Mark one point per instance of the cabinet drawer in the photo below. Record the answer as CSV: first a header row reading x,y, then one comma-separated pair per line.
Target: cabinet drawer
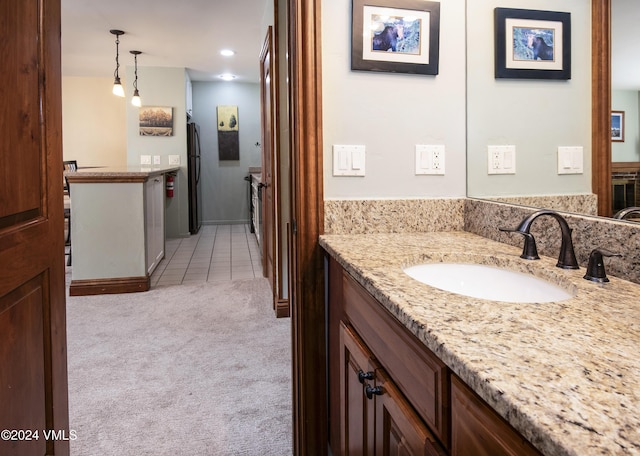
x,y
417,372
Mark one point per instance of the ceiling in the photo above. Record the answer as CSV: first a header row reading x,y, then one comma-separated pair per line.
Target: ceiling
x,y
187,34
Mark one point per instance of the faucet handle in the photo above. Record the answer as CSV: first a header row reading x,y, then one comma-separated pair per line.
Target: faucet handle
x,y
529,250
595,269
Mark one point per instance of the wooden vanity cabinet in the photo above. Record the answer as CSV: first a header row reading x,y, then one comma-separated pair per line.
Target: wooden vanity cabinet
x,y
420,407
478,430
377,419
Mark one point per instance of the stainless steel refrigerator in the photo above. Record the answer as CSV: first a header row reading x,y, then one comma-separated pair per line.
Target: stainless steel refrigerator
x,y
193,173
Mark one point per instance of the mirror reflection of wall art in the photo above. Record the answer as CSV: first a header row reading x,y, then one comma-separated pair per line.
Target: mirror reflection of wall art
x,y
400,36
532,44
617,126
228,133
156,121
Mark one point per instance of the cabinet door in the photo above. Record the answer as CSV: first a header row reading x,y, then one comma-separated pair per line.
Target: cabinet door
x,y
476,429
154,221
399,430
357,370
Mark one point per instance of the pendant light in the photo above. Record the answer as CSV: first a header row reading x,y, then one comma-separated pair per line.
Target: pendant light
x,y
136,95
117,85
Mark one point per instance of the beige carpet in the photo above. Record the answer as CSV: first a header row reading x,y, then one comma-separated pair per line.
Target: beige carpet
x,y
199,369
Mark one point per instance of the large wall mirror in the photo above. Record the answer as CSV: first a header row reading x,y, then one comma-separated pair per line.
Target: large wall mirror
x,y
539,115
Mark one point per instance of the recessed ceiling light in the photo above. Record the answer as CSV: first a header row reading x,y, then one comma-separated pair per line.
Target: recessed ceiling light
x,y
227,52
227,77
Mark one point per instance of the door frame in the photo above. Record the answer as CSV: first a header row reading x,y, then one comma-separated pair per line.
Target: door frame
x,y
306,268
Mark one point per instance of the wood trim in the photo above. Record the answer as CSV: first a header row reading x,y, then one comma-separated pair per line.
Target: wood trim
x,y
307,274
601,105
51,111
282,308
109,286
622,167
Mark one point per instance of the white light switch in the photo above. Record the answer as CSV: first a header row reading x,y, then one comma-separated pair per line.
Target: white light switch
x,y
501,159
145,159
348,160
156,159
429,159
570,160
174,159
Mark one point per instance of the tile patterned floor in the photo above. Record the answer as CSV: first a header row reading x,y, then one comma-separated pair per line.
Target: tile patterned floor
x,y
217,253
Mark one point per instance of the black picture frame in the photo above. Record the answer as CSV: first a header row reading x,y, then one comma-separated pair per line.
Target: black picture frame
x,y
367,44
537,58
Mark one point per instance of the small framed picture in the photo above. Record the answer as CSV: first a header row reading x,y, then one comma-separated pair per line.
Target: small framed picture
x,y
156,121
532,44
617,126
398,36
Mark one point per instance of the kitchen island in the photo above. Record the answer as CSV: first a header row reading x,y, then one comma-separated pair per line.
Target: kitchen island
x,y
117,227
564,375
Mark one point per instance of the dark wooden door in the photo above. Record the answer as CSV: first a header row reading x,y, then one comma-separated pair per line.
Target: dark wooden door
x,y
33,369
268,207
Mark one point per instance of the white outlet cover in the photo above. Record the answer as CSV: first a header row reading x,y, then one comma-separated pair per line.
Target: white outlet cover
x,y
430,159
174,159
145,159
501,159
156,159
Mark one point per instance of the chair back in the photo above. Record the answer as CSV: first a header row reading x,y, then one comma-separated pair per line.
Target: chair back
x,y
68,165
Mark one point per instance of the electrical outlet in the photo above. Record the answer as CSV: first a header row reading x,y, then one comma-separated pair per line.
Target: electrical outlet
x,y
501,160
145,159
174,159
429,159
156,159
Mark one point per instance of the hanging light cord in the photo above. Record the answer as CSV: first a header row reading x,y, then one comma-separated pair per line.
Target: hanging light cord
x,y
115,73
135,81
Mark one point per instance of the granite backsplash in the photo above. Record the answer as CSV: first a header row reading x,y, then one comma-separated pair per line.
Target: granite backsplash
x,y
484,218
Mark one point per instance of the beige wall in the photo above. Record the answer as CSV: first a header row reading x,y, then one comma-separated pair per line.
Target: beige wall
x,y
93,122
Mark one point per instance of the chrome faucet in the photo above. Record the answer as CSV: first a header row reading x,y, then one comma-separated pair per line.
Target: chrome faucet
x,y
621,215
567,257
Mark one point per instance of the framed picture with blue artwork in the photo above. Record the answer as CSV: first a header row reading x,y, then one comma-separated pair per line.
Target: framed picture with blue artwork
x,y
532,44
398,36
617,126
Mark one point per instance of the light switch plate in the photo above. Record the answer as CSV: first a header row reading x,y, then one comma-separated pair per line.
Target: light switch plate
x,y
174,159
145,159
501,159
348,160
156,159
429,159
570,160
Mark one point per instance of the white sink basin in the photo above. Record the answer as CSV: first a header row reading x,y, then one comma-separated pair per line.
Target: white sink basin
x,y
487,282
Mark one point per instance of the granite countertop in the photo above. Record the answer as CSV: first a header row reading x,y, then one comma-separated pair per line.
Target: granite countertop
x,y
118,173
565,374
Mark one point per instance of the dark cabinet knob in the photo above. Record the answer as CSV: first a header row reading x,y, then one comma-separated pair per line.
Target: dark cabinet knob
x,y
371,391
362,376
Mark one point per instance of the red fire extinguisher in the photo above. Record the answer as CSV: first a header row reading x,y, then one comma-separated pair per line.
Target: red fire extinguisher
x,y
169,185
